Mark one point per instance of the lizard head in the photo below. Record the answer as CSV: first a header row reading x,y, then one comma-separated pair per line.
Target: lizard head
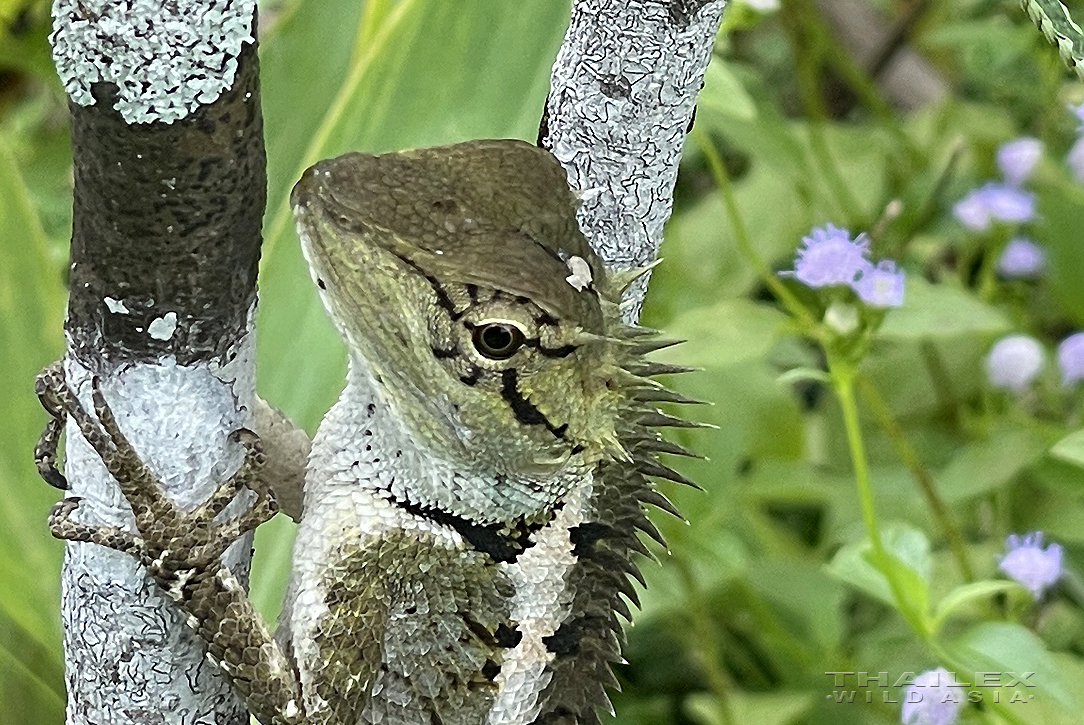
x,y
460,279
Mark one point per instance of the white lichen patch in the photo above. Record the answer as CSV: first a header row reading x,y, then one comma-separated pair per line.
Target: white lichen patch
x,y
162,328
167,59
581,273
116,306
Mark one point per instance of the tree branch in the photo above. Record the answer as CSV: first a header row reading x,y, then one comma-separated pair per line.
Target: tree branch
x,y
169,196
622,95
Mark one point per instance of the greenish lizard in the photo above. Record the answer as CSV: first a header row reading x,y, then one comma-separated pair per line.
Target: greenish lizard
x,y
472,502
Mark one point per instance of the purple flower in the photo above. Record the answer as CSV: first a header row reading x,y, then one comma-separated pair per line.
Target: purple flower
x,y
1071,358
880,286
1075,159
1029,563
994,202
830,257
1021,259
1014,362
934,698
1018,157
971,211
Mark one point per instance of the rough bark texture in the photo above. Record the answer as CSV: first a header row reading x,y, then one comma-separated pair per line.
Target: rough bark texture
x,y
169,197
622,95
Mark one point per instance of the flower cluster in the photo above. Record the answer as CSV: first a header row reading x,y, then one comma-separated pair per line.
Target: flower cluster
x,y
1021,259
1015,361
830,257
1027,562
934,698
1007,201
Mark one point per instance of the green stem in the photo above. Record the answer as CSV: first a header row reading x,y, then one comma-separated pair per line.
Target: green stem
x,y
741,234
843,378
922,475
857,77
705,644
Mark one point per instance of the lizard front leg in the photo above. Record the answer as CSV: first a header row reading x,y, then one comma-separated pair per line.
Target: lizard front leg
x,y
181,549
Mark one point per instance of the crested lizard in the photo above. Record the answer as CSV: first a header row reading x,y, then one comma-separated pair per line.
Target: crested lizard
x,y
473,502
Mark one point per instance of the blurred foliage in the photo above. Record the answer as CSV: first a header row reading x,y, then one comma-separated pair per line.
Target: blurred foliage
x,y
769,585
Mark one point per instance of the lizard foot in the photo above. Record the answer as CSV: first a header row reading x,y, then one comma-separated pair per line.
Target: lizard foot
x,y
173,543
45,450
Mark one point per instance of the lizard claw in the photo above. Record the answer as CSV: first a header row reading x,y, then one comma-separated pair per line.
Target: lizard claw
x,y
46,385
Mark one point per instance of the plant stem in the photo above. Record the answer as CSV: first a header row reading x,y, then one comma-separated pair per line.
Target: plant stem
x,y
843,378
910,458
705,644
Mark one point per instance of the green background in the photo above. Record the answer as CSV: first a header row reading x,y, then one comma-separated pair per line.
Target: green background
x,y
764,588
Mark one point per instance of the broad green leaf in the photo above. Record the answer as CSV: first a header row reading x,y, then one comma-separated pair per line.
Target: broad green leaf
x,y
1061,217
909,562
940,311
1007,647
1070,448
1053,19
730,331
762,708
724,94
31,300
990,463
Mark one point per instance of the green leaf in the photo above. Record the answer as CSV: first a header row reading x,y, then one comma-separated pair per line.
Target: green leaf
x,y
1070,448
909,562
965,594
988,464
933,311
726,333
724,94
1053,19
762,708
31,304
1060,219
1007,647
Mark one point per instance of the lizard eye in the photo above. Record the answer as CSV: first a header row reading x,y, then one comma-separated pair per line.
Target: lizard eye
x,y
498,340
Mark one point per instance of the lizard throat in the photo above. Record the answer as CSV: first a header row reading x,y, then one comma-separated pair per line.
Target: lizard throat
x,y
364,443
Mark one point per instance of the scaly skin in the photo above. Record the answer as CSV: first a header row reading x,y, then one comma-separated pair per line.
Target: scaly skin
x,y
472,501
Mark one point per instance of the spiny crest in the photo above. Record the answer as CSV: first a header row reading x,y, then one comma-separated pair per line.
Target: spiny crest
x,y
602,580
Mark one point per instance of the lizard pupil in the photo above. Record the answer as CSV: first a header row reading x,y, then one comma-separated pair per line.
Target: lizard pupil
x,y
497,340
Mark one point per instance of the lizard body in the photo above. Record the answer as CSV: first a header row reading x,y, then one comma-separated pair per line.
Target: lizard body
x,y
472,501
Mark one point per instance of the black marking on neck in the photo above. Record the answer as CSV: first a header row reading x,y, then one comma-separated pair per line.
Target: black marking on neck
x,y
524,410
583,537
472,292
499,541
506,636
444,353
566,640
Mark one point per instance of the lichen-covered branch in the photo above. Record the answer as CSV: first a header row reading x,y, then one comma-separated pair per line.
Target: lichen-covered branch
x,y
621,101
169,196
